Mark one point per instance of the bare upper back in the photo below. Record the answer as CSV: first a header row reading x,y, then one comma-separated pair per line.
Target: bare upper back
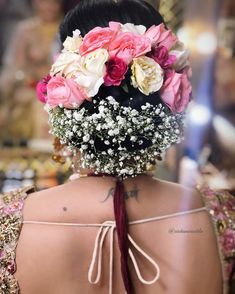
x,y
56,259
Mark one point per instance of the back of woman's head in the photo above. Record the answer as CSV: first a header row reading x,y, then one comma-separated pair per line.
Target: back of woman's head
x,y
118,90
92,13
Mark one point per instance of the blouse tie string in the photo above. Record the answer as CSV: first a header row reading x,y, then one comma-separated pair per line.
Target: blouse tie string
x,y
105,228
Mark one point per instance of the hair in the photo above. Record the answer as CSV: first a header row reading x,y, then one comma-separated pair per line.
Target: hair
x,y
69,4
92,13
85,16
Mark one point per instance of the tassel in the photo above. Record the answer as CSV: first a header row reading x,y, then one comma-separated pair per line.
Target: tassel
x,y
122,233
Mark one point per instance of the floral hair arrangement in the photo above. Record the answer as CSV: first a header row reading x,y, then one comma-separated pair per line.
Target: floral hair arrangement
x,y
118,139
128,139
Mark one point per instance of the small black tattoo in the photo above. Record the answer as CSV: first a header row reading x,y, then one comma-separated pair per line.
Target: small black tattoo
x,y
129,194
65,208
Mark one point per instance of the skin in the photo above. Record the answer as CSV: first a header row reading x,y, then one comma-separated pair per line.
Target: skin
x,y
55,260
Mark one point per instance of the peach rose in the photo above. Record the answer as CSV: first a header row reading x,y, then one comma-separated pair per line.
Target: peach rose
x,y
127,46
66,92
96,39
147,75
159,36
176,91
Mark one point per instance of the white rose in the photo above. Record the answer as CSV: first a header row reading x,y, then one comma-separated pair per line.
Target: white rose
x,y
94,62
66,64
147,75
182,56
136,29
91,71
72,44
77,33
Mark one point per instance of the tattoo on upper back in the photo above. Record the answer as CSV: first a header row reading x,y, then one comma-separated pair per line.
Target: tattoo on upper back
x,y
134,193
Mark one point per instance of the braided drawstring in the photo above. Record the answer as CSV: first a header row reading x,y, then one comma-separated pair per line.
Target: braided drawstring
x,y
122,233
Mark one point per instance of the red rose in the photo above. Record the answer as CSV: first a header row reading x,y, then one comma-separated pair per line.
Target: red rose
x,y
116,70
162,57
41,89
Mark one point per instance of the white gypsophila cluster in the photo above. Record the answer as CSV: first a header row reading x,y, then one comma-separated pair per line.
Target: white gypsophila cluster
x,y
115,139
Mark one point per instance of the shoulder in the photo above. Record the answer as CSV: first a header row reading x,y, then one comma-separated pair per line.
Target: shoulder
x,y
48,204
187,198
70,201
220,207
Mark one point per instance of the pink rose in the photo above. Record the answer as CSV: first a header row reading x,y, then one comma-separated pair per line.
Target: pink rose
x,y
41,89
116,70
176,91
64,91
115,26
161,37
188,71
127,46
162,57
96,39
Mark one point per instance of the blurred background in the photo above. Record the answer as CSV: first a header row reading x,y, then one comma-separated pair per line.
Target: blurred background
x,y
28,44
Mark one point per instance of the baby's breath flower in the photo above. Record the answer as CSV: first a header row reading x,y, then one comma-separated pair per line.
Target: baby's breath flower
x,y
114,124
86,138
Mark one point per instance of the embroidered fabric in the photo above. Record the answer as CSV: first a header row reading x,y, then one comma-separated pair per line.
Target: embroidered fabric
x,y
11,218
219,205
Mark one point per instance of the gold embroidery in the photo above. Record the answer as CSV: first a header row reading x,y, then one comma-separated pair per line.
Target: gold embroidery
x,y
10,226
